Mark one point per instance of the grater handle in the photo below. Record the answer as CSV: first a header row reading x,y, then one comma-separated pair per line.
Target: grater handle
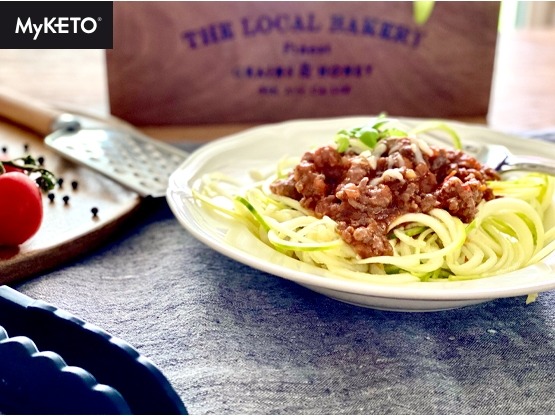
x,y
32,113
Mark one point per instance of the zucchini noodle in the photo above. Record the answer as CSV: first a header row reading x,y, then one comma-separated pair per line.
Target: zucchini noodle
x,y
508,233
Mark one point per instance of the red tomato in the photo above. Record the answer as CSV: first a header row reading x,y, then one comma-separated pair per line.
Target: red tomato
x,y
20,208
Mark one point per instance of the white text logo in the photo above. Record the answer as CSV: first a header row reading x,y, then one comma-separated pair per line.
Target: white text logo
x,y
57,25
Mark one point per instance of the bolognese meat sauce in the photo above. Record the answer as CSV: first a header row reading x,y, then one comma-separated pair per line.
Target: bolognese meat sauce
x,y
365,192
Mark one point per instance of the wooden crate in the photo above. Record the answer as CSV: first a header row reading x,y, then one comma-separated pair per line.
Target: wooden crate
x,y
220,62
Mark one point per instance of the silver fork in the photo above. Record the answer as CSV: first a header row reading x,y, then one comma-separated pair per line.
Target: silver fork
x,y
502,160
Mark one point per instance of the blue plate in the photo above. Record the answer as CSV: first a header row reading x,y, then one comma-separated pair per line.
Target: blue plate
x,y
34,382
81,369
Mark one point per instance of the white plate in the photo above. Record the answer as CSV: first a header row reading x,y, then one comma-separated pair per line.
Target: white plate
x,y
262,147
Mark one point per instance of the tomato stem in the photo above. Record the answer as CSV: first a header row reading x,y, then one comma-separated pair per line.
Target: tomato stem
x,y
46,180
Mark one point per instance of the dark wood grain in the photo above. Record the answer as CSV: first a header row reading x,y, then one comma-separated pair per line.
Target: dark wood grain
x,y
176,63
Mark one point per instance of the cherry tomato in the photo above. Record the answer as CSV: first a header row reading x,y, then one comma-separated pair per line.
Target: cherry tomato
x,y
20,208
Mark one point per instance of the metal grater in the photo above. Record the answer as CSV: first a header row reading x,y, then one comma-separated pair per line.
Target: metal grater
x,y
108,146
135,161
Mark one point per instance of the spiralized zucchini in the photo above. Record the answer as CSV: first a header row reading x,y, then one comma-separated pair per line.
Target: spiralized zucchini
x,y
507,234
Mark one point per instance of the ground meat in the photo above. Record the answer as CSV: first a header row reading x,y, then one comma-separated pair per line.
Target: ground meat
x,y
365,193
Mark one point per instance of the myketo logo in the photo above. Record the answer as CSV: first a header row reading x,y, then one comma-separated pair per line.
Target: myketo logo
x,y
56,25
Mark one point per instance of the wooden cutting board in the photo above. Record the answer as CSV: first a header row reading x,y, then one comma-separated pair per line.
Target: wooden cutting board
x,y
68,229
